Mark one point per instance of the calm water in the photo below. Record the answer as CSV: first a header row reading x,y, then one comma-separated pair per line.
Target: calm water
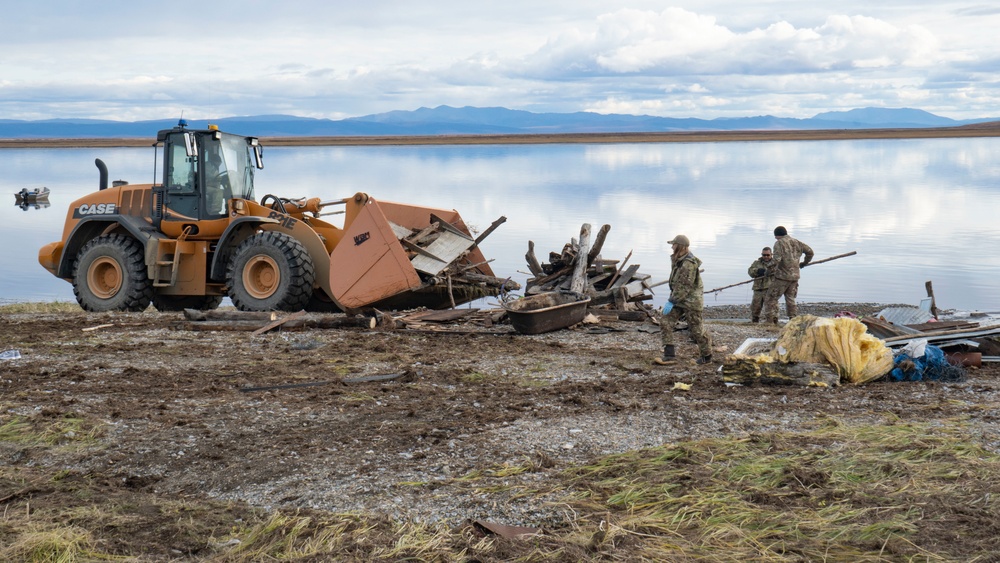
x,y
914,210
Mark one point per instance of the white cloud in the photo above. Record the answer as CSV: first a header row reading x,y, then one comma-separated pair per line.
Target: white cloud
x,y
706,58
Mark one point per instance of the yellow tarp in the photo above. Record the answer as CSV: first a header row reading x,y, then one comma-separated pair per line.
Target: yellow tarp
x,y
842,342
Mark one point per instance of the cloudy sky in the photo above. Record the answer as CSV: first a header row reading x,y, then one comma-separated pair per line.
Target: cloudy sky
x,y
132,60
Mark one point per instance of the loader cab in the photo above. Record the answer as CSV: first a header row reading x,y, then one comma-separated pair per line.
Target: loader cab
x,y
202,171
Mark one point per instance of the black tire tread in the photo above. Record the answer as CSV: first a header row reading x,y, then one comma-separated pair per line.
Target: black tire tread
x,y
137,291
298,273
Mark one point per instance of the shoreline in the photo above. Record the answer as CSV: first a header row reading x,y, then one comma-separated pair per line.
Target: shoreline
x,y
991,129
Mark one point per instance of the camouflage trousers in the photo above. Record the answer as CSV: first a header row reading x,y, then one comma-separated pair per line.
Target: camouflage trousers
x,y
757,304
780,288
695,325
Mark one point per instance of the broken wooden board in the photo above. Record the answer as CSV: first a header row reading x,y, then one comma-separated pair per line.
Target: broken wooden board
x,y
442,316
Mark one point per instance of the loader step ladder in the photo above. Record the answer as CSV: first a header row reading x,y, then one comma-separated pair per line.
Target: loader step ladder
x,y
165,267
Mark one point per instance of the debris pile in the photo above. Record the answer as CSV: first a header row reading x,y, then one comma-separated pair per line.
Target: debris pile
x,y
579,268
808,348
440,253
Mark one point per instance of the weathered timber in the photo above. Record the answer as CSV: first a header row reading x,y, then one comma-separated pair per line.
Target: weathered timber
x,y
532,260
579,279
930,293
417,238
746,371
595,249
279,322
943,325
618,314
626,277
489,230
490,281
215,315
618,272
312,321
442,316
546,279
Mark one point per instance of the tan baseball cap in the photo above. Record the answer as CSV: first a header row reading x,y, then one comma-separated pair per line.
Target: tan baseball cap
x,y
681,240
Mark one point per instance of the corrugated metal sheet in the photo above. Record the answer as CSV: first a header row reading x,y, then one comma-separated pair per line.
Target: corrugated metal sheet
x,y
904,315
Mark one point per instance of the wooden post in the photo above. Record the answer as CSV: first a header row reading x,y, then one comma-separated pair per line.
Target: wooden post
x,y
580,263
598,243
930,293
533,265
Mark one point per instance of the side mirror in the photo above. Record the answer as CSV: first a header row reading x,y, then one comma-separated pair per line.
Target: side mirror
x,y
189,145
258,156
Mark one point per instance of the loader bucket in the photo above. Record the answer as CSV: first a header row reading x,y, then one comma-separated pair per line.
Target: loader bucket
x,y
399,256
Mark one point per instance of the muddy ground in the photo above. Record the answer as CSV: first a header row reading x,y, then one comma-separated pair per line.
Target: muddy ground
x,y
345,420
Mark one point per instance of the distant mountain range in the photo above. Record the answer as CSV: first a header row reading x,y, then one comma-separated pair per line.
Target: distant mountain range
x,y
446,120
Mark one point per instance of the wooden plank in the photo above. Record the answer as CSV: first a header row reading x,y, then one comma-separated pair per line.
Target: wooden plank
x,y
276,323
943,325
618,272
427,231
443,316
626,277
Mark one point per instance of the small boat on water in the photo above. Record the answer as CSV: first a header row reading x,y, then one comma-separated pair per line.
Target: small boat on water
x,y
546,312
38,197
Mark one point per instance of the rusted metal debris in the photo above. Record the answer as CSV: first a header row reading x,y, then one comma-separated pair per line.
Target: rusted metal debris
x,y
964,343
579,268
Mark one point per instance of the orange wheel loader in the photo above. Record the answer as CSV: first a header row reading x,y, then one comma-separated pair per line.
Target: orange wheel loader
x,y
200,235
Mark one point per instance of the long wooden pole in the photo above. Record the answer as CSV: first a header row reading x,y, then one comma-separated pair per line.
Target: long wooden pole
x,y
813,263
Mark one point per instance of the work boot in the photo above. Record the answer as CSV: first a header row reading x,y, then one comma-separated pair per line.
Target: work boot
x,y
667,357
704,360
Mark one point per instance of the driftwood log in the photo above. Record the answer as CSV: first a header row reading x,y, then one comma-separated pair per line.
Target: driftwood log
x,y
263,321
578,281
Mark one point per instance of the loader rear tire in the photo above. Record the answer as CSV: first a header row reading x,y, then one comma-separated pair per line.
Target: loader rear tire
x,y
169,303
270,271
110,275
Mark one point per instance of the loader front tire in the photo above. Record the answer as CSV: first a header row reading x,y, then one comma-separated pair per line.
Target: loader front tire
x,y
110,275
270,271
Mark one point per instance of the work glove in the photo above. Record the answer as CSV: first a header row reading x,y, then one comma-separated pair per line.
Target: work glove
x,y
760,272
803,264
667,307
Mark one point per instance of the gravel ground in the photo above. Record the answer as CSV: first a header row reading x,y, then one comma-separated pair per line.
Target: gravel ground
x,y
181,418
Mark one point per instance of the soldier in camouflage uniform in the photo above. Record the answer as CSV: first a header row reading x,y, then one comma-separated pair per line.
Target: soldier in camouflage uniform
x,y
686,297
786,274
761,272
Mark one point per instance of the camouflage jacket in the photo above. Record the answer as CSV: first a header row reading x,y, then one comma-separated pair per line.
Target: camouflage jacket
x,y
786,257
760,283
686,290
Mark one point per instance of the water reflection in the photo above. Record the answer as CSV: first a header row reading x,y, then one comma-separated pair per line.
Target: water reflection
x,y
915,210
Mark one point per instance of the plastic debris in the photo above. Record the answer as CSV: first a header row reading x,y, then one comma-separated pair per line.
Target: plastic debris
x,y
919,361
10,355
843,342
